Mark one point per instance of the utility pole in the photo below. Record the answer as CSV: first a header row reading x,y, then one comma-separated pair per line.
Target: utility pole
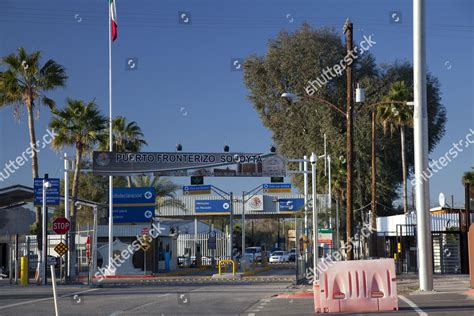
x,y
66,214
242,255
313,160
420,135
231,226
373,219
349,138
305,192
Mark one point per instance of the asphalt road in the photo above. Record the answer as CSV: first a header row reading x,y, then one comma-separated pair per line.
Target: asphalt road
x,y
208,299
250,298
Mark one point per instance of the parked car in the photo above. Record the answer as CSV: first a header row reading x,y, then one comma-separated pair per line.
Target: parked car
x,y
279,257
292,255
276,249
253,253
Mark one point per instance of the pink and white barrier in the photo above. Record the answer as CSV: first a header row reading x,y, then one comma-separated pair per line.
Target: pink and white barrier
x,y
356,286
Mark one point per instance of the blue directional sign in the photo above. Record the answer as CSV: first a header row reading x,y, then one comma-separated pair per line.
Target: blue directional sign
x,y
196,189
134,195
290,205
133,214
52,193
277,188
212,206
133,205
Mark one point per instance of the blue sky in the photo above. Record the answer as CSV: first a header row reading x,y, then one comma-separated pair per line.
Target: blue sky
x,y
183,89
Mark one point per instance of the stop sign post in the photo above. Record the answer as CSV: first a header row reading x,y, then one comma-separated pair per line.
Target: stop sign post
x,y
61,225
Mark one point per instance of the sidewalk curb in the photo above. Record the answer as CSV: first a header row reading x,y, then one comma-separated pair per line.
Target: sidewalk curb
x,y
264,269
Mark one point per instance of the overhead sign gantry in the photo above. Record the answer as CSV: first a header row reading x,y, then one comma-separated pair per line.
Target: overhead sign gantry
x,y
190,164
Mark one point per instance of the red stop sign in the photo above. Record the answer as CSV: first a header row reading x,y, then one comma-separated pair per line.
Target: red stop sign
x,y
61,225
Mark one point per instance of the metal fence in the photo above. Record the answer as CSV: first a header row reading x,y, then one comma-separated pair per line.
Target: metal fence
x,y
30,248
446,253
446,242
187,245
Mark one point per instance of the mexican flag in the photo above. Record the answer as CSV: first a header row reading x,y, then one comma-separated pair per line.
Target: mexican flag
x,y
113,19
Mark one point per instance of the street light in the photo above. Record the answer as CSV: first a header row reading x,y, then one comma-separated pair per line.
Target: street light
x,y
360,98
313,159
46,186
289,96
349,141
360,94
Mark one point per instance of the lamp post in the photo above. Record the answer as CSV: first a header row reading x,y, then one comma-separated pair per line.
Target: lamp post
x,y
420,135
305,192
360,98
242,254
313,159
44,263
348,114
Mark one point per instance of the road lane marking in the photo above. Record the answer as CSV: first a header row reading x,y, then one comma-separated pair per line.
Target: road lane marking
x,y
24,303
138,307
80,292
43,299
413,305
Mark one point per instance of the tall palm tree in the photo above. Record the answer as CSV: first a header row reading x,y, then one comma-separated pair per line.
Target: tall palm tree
x,y
127,137
468,177
81,125
24,82
164,188
395,116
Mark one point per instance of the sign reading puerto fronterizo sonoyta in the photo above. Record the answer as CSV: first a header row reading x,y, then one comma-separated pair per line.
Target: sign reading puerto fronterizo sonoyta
x,y
189,164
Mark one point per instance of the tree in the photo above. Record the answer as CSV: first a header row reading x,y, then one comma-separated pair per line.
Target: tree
x,y
468,177
24,82
164,189
468,182
127,137
395,116
92,188
81,125
293,60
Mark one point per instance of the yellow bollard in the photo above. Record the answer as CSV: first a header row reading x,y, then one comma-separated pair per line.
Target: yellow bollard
x,y
24,270
225,266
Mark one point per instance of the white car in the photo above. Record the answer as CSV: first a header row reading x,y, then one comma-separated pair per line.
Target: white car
x,y
279,257
253,253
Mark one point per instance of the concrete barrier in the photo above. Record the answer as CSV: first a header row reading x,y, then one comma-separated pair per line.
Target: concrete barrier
x,y
356,286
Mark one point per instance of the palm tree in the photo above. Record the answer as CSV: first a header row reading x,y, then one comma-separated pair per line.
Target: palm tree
x,y
23,83
395,115
128,137
80,125
164,188
468,177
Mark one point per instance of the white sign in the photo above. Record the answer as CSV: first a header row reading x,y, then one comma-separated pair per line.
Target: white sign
x,y
255,203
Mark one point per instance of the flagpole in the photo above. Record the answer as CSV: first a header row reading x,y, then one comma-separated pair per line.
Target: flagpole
x,y
111,219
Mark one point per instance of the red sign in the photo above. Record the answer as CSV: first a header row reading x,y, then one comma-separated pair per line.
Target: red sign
x,y
61,225
88,246
145,231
